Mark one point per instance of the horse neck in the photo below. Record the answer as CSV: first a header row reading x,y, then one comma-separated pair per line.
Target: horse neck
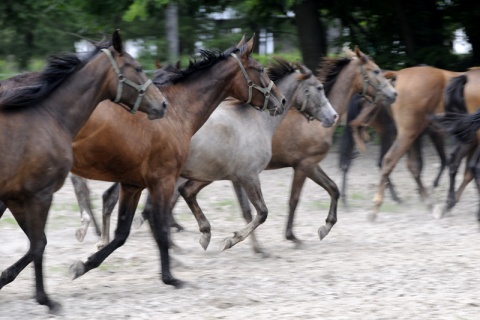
x,y
74,101
195,98
343,88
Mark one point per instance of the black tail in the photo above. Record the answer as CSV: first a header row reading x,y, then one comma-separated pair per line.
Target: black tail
x,y
461,126
347,144
454,99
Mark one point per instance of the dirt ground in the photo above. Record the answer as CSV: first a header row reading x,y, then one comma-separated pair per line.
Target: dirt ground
x,y
406,265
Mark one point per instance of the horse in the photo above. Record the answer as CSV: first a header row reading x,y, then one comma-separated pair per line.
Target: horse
x,y
151,155
462,121
301,145
380,119
39,119
235,144
420,95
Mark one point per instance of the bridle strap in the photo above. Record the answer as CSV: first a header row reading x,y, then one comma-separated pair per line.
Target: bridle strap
x,y
141,89
366,82
251,85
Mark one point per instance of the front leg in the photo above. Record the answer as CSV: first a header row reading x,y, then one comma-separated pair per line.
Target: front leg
x,y
158,219
82,192
129,197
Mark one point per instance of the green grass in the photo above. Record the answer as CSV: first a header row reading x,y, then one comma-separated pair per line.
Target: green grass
x,y
389,207
324,204
8,221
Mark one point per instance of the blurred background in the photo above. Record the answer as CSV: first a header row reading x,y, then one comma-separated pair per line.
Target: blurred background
x,y
396,33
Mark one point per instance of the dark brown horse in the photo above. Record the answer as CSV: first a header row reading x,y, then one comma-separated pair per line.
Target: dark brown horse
x,y
40,115
462,97
420,95
151,155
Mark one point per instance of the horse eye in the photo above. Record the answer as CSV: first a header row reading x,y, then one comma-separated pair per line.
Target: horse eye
x,y
320,88
377,72
138,69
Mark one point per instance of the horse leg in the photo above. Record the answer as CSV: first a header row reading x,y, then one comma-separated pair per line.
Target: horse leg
x,y
415,165
129,197
475,166
437,140
138,221
189,191
391,158
82,193
32,217
321,178
247,214
251,185
3,208
299,177
158,220
109,200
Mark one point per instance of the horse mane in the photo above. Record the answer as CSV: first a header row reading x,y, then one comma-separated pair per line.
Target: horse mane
x,y
329,69
204,60
26,89
279,68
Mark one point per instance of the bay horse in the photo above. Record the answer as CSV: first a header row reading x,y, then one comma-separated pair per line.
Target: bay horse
x,y
39,119
462,102
301,144
235,144
420,95
381,120
151,155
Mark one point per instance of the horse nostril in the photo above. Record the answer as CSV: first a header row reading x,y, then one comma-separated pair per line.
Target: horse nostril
x,y
164,104
284,101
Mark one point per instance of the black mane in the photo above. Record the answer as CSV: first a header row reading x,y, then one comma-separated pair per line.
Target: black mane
x,y
36,88
329,69
279,68
206,59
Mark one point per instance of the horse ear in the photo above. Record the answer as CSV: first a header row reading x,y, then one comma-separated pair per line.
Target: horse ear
x,y
360,54
389,74
301,68
250,45
349,53
178,65
157,64
117,41
242,42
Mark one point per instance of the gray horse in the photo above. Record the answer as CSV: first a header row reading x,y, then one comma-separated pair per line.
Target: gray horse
x,y
236,144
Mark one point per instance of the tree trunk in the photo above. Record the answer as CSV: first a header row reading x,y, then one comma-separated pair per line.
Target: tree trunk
x,y
311,33
171,24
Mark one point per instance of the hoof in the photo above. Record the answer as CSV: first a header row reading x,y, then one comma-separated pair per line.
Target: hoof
x,y
205,240
322,232
227,243
100,246
137,222
372,217
171,281
438,211
77,269
80,234
55,308
178,227
261,252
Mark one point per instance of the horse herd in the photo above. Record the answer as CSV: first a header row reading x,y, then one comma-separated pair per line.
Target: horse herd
x,y
202,124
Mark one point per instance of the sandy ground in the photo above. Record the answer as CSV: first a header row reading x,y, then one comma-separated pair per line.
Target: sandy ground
x,y
406,265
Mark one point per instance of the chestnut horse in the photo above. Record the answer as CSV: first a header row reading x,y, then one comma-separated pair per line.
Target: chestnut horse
x,y
39,119
235,144
462,97
420,95
151,155
380,119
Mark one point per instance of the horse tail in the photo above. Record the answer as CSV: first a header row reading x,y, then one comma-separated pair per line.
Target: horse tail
x,y
461,126
454,98
347,144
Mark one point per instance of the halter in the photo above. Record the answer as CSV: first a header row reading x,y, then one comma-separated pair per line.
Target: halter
x,y
303,108
141,89
265,91
366,82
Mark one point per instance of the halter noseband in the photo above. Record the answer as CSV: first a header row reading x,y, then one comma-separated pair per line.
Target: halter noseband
x,y
303,108
366,82
141,89
265,91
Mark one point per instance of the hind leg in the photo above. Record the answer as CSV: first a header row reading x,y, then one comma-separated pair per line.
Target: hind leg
x,y
415,165
247,213
437,139
31,217
3,208
299,177
189,191
109,199
82,193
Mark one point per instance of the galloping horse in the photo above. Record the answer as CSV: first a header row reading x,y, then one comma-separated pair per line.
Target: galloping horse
x,y
420,94
380,119
151,155
39,121
235,144
462,96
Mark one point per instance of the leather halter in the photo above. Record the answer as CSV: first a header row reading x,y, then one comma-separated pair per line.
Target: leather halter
x,y
265,91
367,82
141,89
